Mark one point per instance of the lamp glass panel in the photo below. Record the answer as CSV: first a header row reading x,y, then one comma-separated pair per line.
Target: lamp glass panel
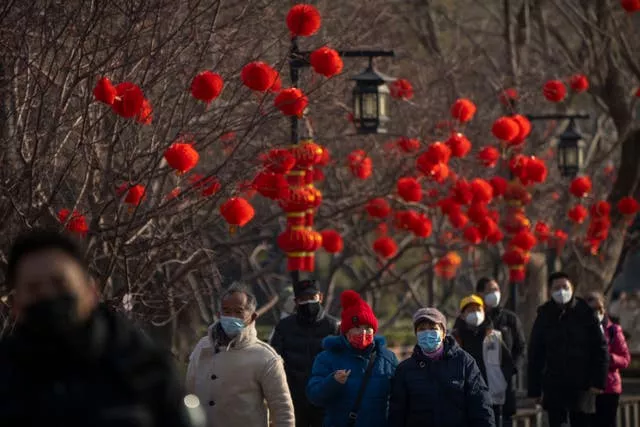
x,y
382,104
570,157
369,107
357,100
580,149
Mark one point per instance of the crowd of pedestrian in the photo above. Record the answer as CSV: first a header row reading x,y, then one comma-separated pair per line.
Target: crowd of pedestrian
x,y
70,361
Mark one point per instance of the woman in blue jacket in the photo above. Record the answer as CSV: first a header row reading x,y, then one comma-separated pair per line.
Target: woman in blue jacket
x,y
440,385
336,382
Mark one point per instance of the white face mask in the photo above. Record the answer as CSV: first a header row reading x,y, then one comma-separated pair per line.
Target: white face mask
x,y
475,318
492,299
562,296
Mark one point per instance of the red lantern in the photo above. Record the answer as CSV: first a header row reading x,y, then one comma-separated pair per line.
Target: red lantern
x,y
145,115
135,195
259,76
543,231
271,185
291,102
307,153
524,240
360,164
489,156
437,153
516,194
303,20
516,259
499,185
296,242
385,247
600,209
326,61
104,91
462,192
580,187
477,212
472,235
578,214
459,145
401,89
579,83
378,208
628,206
525,129
237,211
404,220
181,157
332,241
487,227
409,189
554,90
505,129
449,206
75,222
482,191
421,226
206,86
408,145
508,97
630,5
516,221
458,220
278,160
447,266
463,110
536,170
128,101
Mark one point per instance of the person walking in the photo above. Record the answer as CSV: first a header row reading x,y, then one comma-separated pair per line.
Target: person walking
x,y
239,379
477,336
298,339
440,385
71,361
351,378
568,357
619,358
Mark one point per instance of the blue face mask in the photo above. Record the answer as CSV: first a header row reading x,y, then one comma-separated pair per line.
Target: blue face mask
x,y
231,326
429,340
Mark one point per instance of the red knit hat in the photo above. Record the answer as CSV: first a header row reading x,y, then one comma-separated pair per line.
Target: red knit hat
x,y
356,312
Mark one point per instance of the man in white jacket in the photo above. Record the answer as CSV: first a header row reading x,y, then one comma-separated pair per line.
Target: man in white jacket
x,y
239,379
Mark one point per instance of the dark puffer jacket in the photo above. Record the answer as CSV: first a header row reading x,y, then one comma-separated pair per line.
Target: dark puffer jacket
x,y
298,343
114,376
567,355
440,393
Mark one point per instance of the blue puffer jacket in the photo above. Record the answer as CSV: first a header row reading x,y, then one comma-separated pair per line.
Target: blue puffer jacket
x,y
338,399
440,393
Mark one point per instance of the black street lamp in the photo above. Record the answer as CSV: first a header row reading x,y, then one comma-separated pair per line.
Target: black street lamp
x,y
571,150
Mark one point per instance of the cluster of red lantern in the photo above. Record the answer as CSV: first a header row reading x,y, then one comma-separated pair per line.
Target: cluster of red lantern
x,y
74,222
360,164
447,266
125,99
401,89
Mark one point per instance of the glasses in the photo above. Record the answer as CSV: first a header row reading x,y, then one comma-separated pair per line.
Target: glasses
x,y
366,330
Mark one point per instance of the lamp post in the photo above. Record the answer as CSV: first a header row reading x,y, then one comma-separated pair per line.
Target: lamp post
x,y
370,95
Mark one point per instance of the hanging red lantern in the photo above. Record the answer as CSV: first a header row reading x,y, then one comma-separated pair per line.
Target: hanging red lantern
x,y
487,227
145,115
579,83
271,185
524,129
447,266
495,237
600,209
291,102
409,189
295,242
599,229
303,20
489,156
237,212
401,89
307,153
581,186
463,110
332,241
458,220
516,259
378,208
459,145
404,220
128,101
472,235
577,214
482,191
408,145
536,170
516,221
477,212
628,206
462,192
508,97
630,5
524,240
75,222
278,160
360,164
259,76
559,240
516,194
385,247
421,226
326,61
499,185
135,195
318,175
449,206
181,156
206,86
438,153
104,91
554,90
505,129
542,231
518,167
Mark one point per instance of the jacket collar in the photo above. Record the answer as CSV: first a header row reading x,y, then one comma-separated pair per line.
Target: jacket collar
x,y
248,336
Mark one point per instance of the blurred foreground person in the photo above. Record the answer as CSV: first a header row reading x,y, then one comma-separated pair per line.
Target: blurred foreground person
x,y
568,358
70,361
298,339
239,379
351,378
440,385
619,358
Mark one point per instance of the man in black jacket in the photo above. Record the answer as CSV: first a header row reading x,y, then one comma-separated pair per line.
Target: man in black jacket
x,y
70,361
298,339
568,358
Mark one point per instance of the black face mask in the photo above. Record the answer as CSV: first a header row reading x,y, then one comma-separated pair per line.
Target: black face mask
x,y
51,319
309,311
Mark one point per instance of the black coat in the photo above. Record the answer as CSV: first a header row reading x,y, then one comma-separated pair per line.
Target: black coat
x,y
113,376
298,343
567,355
440,393
471,340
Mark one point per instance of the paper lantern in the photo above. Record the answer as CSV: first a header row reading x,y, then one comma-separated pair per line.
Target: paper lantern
x,y
462,192
401,89
409,189
181,157
259,76
447,266
499,185
326,61
421,226
630,5
487,227
524,240
578,214
296,242
516,194
458,220
481,190
385,247
237,211
463,110
536,170
145,115
509,97
448,206
459,145
135,195
360,164
408,145
378,208
516,221
489,156
472,235
206,86
104,91
75,222
628,206
581,186
271,185
307,153
404,220
579,83
600,209
542,231
524,129
332,241
505,129
128,101
554,90
303,20
278,160
291,102
477,212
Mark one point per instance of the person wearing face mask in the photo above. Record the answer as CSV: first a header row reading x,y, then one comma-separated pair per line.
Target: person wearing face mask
x,y
239,379
351,378
619,358
568,359
477,336
298,339
430,388
71,361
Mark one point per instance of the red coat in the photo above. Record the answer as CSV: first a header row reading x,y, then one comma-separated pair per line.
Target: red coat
x,y
619,357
